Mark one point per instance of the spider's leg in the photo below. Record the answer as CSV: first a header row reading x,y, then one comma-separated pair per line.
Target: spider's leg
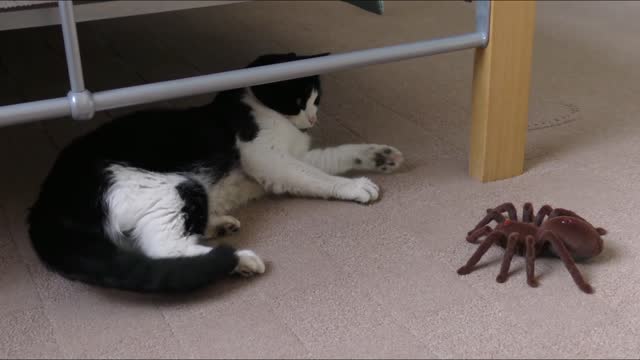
x,y
508,256
531,259
527,213
544,211
478,233
510,209
482,249
491,215
566,258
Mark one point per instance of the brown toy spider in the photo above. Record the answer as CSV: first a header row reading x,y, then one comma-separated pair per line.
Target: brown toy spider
x,y
564,234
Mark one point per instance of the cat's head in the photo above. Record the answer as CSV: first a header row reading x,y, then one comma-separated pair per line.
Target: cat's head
x,y
296,99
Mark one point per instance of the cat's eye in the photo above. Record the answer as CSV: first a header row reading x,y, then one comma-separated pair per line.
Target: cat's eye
x,y
299,101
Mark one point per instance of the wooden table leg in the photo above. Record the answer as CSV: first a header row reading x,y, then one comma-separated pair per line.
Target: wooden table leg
x,y
501,83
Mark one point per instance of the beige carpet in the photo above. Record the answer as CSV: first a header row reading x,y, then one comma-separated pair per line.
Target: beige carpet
x,y
346,280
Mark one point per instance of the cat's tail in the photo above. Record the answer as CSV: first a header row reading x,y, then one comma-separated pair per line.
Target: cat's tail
x,y
97,261
135,272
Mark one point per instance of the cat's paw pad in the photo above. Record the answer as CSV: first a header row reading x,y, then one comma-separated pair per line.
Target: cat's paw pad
x,y
249,264
361,190
381,158
223,226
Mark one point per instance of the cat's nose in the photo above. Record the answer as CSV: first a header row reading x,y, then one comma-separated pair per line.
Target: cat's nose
x,y
313,119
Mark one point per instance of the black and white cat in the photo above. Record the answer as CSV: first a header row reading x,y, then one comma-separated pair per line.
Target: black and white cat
x,y
130,204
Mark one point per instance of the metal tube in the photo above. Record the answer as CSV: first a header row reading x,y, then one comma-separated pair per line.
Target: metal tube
x,y
71,47
34,110
166,90
197,85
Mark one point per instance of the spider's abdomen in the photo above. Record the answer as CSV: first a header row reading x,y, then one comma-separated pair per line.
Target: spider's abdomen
x,y
581,239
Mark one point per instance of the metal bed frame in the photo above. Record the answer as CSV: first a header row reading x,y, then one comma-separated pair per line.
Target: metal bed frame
x,y
82,104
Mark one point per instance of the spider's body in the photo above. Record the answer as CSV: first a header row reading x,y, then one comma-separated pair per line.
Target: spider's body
x,y
524,229
564,234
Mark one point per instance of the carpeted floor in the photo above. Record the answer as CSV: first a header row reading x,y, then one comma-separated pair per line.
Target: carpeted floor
x,y
346,280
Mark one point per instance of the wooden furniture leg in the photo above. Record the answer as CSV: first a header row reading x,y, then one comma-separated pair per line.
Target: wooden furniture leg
x,y
501,82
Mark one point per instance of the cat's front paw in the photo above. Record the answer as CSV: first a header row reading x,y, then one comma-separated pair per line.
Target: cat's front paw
x,y
249,263
361,190
382,158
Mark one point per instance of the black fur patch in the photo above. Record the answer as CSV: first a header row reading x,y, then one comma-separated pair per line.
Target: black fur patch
x,y
196,207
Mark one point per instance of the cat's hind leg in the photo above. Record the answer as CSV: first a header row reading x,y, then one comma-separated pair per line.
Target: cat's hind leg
x,y
164,216
220,226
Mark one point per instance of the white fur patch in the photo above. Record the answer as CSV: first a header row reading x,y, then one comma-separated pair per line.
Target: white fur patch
x,y
277,133
248,263
144,214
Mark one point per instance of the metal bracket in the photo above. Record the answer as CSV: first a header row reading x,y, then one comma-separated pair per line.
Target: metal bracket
x,y
82,105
